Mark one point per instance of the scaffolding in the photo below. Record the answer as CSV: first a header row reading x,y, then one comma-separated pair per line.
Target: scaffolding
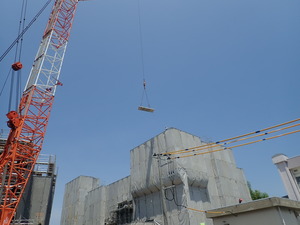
x,y
45,165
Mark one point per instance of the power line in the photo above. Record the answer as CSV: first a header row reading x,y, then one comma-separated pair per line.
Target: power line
x,y
225,144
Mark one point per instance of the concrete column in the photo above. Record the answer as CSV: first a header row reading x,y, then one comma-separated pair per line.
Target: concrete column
x,y
281,161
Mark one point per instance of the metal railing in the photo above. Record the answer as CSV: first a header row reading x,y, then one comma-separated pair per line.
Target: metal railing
x,y
45,164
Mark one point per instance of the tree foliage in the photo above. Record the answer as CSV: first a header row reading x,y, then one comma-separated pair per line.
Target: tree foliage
x,y
256,194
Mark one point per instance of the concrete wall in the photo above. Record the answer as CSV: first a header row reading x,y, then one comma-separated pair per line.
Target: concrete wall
x,y
102,202
289,171
94,208
273,211
200,182
74,199
262,217
36,202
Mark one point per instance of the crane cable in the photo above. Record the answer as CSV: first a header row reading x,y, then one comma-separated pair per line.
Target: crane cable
x,y
142,58
18,54
24,30
207,147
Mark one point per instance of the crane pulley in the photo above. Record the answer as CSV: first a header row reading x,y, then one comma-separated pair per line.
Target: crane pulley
x,y
17,66
28,124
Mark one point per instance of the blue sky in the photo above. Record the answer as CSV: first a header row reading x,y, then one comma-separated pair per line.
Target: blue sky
x,y
216,69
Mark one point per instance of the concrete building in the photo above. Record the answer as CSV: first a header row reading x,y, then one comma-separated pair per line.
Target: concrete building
x,y
74,199
289,170
36,203
269,211
159,191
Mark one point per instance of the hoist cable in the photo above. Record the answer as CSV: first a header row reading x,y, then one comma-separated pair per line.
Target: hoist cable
x,y
142,56
142,99
145,94
22,17
141,39
16,74
11,90
24,31
19,83
18,54
5,82
147,98
23,27
18,88
237,137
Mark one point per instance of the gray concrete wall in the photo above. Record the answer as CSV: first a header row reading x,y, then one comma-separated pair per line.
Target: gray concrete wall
x,y
36,202
286,168
74,199
262,217
213,176
101,202
273,211
200,182
118,192
95,206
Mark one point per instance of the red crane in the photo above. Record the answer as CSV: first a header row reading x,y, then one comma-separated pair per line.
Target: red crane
x,y
28,124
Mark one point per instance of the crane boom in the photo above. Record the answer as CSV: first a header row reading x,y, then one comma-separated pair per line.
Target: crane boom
x,y
28,125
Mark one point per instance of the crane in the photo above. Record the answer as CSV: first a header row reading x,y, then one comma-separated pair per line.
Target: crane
x,y
28,124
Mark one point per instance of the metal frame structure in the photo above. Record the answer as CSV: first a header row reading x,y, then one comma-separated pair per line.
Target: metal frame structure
x,y
28,125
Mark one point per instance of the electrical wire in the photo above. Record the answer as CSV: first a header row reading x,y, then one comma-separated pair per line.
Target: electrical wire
x,y
211,145
240,145
183,206
244,137
240,136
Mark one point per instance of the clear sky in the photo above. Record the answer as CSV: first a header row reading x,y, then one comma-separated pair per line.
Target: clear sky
x,y
214,68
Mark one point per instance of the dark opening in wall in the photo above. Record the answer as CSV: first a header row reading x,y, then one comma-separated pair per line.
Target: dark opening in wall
x,y
123,214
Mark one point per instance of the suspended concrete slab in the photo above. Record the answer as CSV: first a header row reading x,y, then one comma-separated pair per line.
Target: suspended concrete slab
x,y
146,109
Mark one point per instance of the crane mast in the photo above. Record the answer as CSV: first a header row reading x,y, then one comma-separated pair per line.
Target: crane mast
x,y
28,124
